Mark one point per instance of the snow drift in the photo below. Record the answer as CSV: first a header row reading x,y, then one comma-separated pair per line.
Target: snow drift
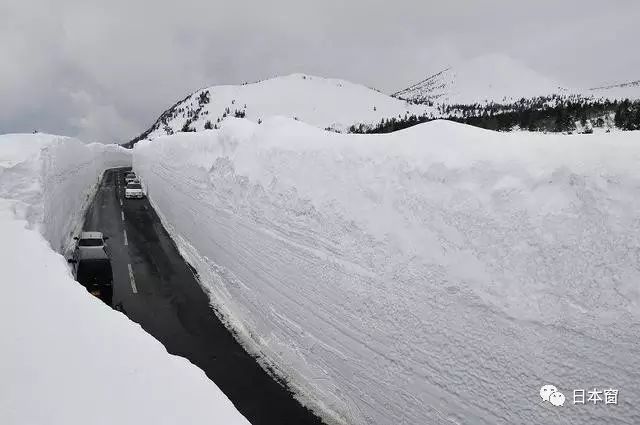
x,y
66,357
441,274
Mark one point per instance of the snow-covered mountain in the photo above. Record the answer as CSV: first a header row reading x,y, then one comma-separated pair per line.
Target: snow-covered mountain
x,y
492,78
475,92
499,93
322,102
500,79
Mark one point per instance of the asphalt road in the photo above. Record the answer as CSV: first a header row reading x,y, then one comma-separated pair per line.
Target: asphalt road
x,y
156,288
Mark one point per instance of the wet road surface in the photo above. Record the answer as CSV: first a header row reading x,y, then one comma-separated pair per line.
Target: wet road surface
x,y
156,288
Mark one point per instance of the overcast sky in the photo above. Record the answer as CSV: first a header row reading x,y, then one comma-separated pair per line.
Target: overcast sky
x,y
105,70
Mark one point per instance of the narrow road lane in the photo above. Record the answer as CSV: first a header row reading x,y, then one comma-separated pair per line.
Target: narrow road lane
x,y
156,288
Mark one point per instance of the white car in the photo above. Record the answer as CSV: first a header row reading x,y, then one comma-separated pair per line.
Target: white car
x,y
89,241
129,177
133,190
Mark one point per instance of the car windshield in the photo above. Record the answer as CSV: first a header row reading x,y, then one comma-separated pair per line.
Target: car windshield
x,y
134,186
94,272
90,242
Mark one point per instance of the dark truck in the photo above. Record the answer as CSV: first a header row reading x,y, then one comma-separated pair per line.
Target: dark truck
x,y
93,271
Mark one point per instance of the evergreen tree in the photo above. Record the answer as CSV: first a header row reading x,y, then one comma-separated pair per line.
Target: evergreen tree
x,y
187,127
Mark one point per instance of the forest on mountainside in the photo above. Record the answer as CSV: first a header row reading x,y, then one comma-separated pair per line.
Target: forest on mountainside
x,y
555,113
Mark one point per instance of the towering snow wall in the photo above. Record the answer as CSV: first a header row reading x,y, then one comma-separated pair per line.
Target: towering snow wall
x,y
437,275
67,358
55,178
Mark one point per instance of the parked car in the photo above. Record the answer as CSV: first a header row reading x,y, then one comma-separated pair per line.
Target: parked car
x,y
133,190
130,176
92,269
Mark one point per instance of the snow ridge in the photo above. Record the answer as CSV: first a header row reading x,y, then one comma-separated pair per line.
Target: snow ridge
x,y
439,274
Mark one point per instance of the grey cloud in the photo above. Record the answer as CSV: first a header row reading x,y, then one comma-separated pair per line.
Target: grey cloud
x,y
105,70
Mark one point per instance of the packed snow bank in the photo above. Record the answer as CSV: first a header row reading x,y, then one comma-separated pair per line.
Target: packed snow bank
x,y
55,177
441,274
67,358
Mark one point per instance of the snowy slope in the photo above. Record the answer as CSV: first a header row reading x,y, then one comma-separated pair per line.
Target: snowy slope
x,y
66,357
500,79
318,101
496,78
629,90
437,275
